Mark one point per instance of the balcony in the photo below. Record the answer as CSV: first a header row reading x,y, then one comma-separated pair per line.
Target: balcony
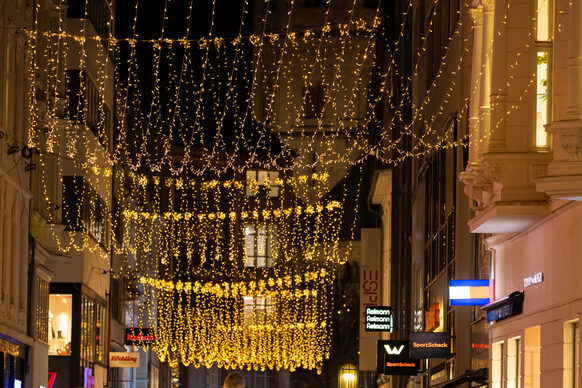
x,y
502,191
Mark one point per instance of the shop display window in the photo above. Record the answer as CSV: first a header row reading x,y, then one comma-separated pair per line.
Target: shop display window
x,y
60,324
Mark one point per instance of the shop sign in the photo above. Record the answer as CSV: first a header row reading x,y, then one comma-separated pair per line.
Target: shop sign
x,y
379,318
140,336
124,359
505,307
430,345
534,279
469,292
433,317
393,358
52,376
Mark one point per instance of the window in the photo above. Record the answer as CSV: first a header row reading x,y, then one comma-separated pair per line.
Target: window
x,y
497,367
74,107
514,363
98,13
571,355
89,214
313,107
60,324
444,16
115,299
87,329
258,310
543,71
439,251
261,245
93,330
213,377
261,379
42,310
531,357
257,179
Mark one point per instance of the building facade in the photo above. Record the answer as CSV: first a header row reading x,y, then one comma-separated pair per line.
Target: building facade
x,y
17,347
429,240
523,181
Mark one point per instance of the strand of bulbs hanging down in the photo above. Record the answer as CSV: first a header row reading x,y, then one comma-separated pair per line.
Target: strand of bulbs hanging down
x,y
194,230
180,122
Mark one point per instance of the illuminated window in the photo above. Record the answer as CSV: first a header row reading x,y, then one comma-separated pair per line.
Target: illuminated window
x,y
531,356
42,310
571,355
258,178
497,367
60,324
261,245
543,71
514,363
258,310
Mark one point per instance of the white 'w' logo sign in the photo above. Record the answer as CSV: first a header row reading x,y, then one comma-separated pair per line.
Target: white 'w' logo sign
x,y
393,350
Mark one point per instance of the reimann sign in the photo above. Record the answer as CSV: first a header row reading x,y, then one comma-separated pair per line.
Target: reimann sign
x,y
379,318
393,359
430,345
124,359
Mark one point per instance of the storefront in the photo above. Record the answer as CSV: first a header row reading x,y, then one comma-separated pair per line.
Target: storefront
x,y
534,335
12,363
77,336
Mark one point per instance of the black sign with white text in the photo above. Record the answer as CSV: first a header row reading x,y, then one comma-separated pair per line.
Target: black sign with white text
x,y
379,318
393,358
430,345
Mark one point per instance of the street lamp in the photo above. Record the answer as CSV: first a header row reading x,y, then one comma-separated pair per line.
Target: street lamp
x,y
348,376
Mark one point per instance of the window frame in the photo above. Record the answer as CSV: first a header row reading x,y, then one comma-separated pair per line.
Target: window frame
x,y
260,176
270,245
543,46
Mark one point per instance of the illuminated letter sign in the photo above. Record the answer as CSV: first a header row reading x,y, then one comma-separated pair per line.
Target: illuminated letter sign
x,y
469,292
430,345
393,350
139,336
51,379
393,359
378,318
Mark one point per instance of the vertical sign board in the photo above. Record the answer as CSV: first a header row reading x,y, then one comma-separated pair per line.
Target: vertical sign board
x,y
379,318
370,259
393,358
430,345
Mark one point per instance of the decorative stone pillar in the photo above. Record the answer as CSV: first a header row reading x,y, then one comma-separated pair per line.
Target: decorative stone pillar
x,y
485,86
477,16
574,109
